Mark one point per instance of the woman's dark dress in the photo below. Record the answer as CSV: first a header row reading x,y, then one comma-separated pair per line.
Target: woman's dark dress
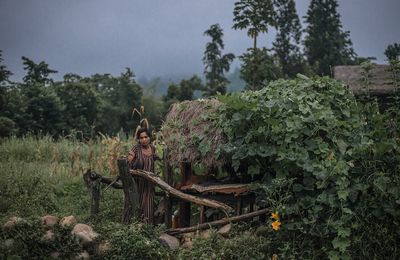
x,y
145,188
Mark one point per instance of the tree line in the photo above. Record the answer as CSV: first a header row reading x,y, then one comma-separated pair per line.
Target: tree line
x,y
104,103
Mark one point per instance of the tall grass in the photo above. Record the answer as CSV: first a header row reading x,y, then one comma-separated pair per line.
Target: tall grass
x,y
40,175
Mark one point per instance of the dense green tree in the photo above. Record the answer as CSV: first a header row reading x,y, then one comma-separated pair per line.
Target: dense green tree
x,y
255,16
40,108
71,77
7,125
259,67
118,96
187,87
172,95
216,64
326,45
287,40
4,80
184,91
37,72
4,72
80,105
392,51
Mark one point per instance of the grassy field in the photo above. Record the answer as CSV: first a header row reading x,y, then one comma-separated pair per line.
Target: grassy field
x,y
41,176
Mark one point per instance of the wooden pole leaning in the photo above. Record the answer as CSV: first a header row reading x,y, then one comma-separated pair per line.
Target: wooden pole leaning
x,y
131,195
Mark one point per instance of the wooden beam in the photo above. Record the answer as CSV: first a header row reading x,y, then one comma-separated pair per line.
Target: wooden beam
x,y
218,222
176,193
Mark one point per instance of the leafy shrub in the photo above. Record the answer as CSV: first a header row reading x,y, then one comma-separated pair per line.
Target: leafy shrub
x,y
326,162
244,246
136,241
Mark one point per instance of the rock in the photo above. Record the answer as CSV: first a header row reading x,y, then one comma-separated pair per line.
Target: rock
x,y
55,255
8,243
170,241
103,248
84,233
49,236
68,221
262,231
83,255
188,235
10,224
224,231
205,234
49,220
187,244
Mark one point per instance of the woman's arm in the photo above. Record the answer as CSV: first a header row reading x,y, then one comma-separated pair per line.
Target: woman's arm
x,y
131,156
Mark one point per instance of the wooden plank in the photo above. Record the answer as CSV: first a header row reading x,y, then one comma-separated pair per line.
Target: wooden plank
x,y
223,188
218,222
380,82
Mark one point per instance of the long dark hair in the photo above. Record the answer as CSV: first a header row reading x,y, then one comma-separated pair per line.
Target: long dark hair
x,y
143,130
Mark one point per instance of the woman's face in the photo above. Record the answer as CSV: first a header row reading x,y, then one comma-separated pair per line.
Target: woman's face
x,y
144,139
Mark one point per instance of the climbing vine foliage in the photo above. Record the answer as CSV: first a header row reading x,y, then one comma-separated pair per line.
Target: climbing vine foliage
x,y
313,136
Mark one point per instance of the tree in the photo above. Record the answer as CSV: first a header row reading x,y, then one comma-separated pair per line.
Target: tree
x,y
7,125
287,41
392,51
258,68
41,108
4,76
255,16
4,72
188,86
118,96
80,106
184,91
37,72
216,63
326,45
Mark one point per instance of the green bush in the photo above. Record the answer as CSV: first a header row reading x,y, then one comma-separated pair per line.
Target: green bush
x,y
329,165
7,126
136,241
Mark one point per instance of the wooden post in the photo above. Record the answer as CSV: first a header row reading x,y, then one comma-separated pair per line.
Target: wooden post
x,y
131,196
202,217
168,179
93,184
239,204
184,207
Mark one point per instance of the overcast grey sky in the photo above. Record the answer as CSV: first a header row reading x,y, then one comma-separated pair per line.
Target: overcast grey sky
x,y
155,37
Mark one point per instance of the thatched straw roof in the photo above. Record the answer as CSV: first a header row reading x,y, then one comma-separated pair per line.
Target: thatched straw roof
x,y
191,134
380,79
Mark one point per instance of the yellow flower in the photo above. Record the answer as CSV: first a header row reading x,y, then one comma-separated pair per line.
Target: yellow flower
x,y
276,225
275,215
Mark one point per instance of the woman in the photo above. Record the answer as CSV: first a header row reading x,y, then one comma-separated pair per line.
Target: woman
x,y
142,156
